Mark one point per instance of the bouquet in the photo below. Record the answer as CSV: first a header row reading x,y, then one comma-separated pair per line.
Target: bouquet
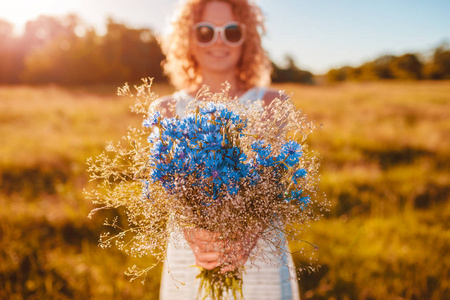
x,y
241,171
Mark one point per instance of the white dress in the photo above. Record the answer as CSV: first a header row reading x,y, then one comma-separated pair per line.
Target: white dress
x,y
266,281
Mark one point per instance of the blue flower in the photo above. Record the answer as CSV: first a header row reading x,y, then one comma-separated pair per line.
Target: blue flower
x,y
214,169
261,150
154,136
300,173
151,120
196,157
263,153
210,108
234,156
160,148
171,129
211,141
209,127
162,172
290,153
266,161
191,147
227,115
292,149
296,197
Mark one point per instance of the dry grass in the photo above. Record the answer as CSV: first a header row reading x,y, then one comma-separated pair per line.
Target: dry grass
x,y
385,169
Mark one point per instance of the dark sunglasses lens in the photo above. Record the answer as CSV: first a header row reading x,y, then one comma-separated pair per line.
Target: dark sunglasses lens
x,y
204,34
233,33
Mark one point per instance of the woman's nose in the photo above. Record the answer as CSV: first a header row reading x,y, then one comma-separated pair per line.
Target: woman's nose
x,y
219,39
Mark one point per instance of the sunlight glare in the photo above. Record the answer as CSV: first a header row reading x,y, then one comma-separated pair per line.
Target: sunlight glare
x,y
19,12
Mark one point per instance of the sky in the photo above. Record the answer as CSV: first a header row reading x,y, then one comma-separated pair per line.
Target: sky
x,y
318,34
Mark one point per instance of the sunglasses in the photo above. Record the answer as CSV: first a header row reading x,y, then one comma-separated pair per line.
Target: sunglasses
x,y
206,33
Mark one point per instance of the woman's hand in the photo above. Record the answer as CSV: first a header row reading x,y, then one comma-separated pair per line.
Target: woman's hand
x,y
211,252
206,247
237,251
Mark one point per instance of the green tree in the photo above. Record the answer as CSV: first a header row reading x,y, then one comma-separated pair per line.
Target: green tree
x,y
407,66
131,53
291,73
439,68
380,67
9,62
342,74
123,54
62,57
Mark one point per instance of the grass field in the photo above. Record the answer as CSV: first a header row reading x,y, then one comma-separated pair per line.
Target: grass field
x,y
385,168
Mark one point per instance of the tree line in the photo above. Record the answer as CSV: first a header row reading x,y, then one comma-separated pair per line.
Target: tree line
x,y
62,50
410,66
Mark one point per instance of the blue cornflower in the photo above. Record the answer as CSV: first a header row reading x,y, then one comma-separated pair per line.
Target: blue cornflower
x,y
154,136
296,197
234,156
261,150
292,148
227,115
160,148
180,158
211,128
267,161
196,157
210,108
151,120
304,201
211,141
290,153
300,173
243,170
180,152
171,129
183,130
189,119
233,175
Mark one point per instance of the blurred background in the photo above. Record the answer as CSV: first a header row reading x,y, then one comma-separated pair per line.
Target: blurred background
x,y
376,76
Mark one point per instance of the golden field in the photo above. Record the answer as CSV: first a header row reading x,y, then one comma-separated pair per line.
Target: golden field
x,y
385,169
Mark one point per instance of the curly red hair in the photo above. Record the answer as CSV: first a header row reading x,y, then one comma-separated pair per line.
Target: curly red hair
x,y
254,66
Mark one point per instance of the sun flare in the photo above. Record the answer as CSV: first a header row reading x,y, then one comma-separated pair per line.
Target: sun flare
x,y
19,12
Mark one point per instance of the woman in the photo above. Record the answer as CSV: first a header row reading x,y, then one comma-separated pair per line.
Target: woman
x,y
212,42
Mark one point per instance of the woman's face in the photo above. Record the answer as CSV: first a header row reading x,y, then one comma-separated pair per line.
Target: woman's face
x,y
218,57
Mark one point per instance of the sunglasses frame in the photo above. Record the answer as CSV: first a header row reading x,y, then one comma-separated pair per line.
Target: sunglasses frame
x,y
221,30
